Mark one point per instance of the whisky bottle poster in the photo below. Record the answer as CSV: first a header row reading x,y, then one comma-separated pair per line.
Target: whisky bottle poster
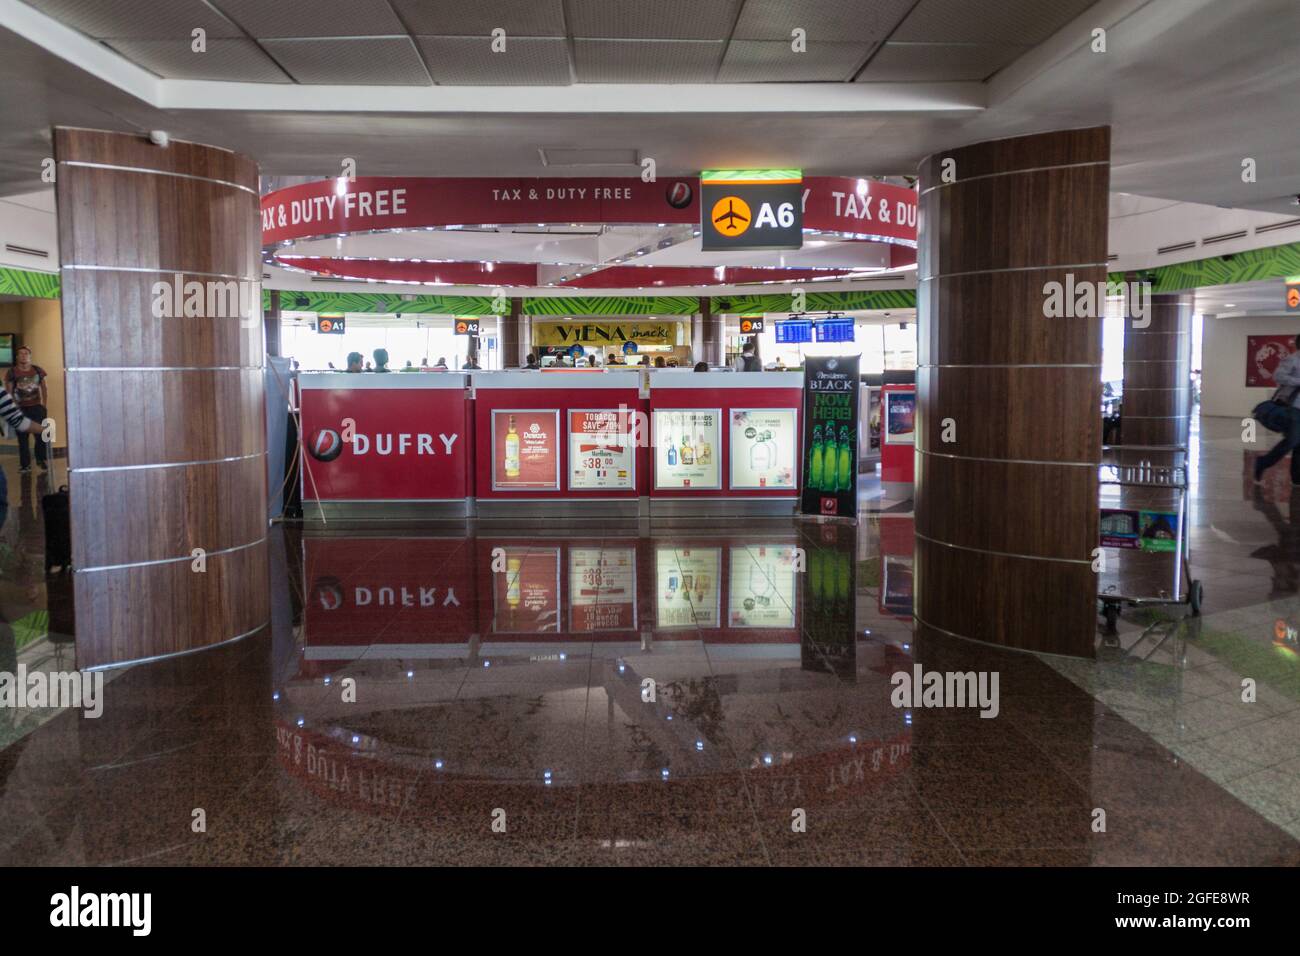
x,y
525,449
829,463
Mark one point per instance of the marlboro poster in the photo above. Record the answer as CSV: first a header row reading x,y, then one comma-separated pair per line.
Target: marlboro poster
x,y
602,455
830,436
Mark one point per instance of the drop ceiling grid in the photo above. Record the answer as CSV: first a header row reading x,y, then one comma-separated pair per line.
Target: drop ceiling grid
x,y
559,42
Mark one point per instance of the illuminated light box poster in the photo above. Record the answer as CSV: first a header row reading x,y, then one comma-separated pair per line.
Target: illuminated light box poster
x,y
763,447
687,586
829,447
762,590
602,454
602,589
687,448
525,450
526,595
1119,528
1159,531
900,418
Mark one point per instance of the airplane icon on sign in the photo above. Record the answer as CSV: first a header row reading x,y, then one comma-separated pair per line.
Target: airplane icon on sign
x,y
730,217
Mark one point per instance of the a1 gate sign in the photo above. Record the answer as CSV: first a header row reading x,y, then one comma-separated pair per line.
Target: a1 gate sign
x,y
751,209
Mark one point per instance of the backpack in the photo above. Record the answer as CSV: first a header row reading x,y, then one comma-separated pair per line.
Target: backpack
x,y
1274,413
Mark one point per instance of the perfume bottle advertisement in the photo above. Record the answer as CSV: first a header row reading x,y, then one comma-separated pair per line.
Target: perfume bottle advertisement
x,y
687,586
601,451
763,447
688,453
762,590
525,449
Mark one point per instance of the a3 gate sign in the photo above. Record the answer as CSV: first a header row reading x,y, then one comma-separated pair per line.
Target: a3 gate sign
x,y
751,209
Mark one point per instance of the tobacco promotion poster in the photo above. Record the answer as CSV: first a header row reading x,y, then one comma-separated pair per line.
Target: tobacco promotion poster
x,y
602,455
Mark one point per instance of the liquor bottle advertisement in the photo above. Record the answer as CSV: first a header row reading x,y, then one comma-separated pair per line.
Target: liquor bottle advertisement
x,y
602,454
602,589
763,447
830,436
526,595
525,449
762,590
687,584
688,453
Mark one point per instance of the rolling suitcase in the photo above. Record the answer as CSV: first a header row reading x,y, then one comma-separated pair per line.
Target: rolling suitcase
x,y
58,530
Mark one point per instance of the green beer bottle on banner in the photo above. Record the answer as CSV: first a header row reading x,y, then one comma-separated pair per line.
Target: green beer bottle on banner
x,y
830,455
846,470
815,460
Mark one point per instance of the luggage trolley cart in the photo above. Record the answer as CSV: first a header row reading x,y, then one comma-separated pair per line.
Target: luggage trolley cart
x,y
1171,478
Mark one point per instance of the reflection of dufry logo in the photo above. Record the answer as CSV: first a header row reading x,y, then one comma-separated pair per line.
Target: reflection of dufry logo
x,y
679,195
328,593
1284,635
326,444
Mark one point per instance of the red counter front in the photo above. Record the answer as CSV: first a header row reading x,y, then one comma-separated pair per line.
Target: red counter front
x,y
554,436
725,437
371,439
518,442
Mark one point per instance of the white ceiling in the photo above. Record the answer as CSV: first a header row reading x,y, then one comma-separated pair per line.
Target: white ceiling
x,y
1190,87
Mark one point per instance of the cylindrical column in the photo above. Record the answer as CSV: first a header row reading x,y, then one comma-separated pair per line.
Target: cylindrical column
x,y
1008,434
162,328
510,337
1157,371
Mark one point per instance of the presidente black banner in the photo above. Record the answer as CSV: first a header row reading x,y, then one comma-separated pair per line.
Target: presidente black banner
x,y
830,436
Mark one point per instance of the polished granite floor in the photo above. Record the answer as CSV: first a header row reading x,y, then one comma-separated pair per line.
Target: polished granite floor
x,y
501,712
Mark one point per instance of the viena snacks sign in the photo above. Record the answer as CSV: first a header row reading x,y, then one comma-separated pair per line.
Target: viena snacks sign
x,y
605,333
361,445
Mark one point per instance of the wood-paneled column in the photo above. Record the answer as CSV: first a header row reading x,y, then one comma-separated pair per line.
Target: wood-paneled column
x,y
1157,372
162,328
1008,423
510,338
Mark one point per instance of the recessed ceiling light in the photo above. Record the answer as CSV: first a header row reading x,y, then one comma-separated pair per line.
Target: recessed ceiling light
x,y
1229,305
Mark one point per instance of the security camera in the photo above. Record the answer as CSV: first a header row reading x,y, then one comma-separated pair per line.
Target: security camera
x,y
159,137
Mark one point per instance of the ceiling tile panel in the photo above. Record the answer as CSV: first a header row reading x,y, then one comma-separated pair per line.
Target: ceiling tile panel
x,y
137,19
238,60
364,61
937,62
833,20
313,18
469,61
1012,22
772,61
473,18
653,19
647,61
